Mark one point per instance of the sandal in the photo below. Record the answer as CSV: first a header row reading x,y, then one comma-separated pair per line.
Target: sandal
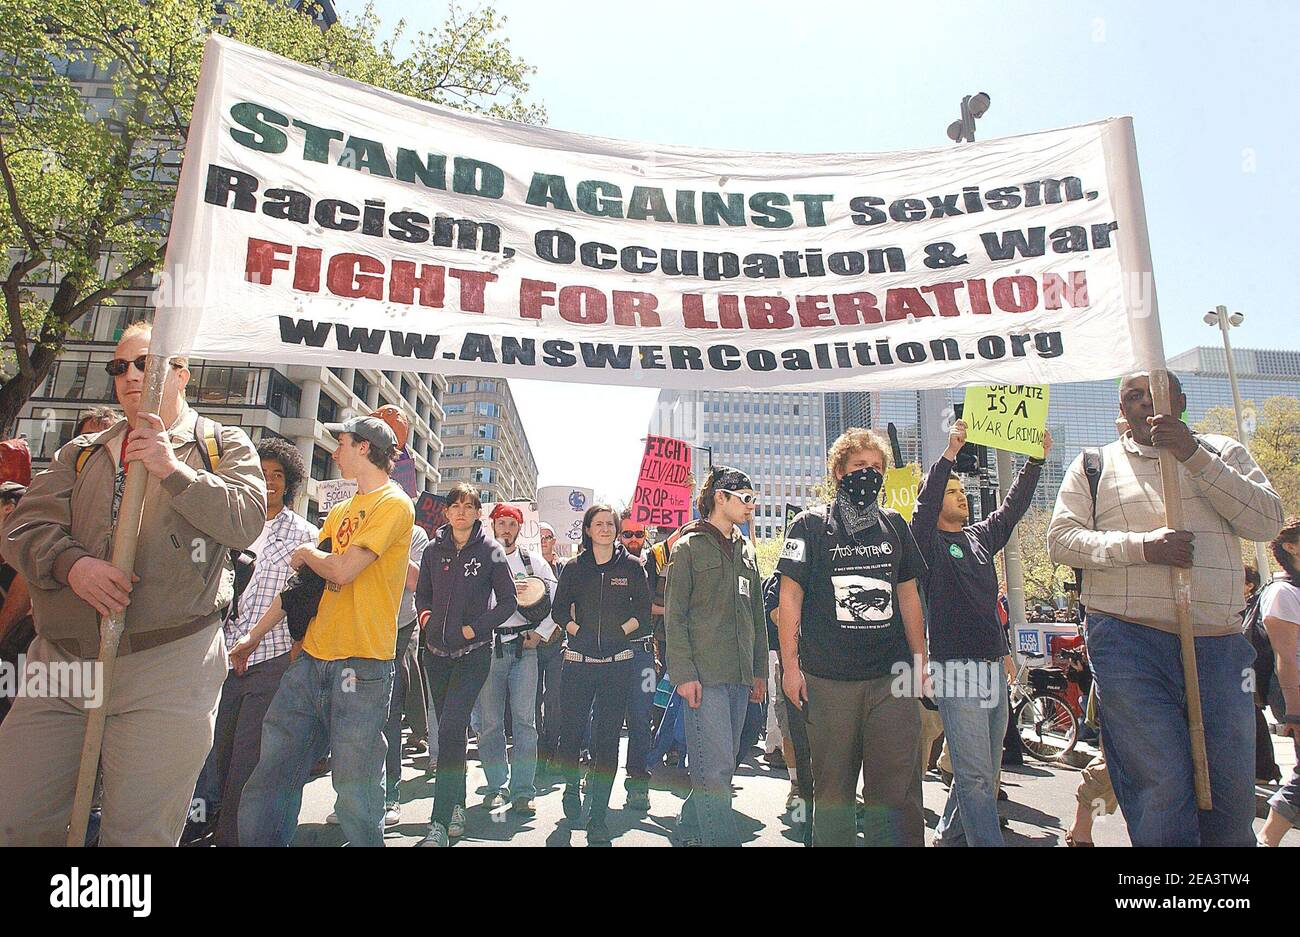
x,y
1071,841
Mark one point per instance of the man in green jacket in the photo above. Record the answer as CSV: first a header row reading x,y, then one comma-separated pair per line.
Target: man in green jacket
x,y
717,648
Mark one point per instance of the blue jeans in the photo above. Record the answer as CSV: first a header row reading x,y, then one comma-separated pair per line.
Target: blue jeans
x,y
713,740
339,706
518,678
640,699
972,700
1148,747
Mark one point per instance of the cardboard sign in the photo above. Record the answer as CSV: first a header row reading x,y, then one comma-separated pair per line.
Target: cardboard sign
x,y
1007,416
562,506
334,491
404,472
430,511
530,531
663,488
900,489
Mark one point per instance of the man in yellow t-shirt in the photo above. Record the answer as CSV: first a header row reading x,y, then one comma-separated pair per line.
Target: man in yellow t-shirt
x,y
335,696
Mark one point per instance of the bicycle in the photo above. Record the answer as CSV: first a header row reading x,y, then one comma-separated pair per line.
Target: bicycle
x,y
1047,723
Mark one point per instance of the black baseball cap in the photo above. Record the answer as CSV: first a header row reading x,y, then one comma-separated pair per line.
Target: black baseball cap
x,y
370,428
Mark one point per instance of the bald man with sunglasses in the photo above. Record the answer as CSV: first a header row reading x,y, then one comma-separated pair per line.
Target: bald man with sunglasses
x,y
172,659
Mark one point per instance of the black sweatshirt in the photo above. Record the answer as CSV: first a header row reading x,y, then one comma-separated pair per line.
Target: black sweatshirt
x,y
962,585
454,587
601,598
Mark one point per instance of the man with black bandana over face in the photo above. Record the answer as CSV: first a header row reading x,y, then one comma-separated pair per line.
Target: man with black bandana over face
x,y
853,651
968,645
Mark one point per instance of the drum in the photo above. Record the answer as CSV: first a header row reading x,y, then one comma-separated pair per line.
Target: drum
x,y
534,599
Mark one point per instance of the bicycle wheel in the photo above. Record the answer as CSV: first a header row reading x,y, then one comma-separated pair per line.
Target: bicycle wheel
x,y
1048,727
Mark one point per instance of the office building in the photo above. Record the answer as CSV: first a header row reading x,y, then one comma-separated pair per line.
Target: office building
x,y
485,441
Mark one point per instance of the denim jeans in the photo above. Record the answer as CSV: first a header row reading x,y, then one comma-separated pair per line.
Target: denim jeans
x,y
713,741
515,679
339,706
972,702
1287,799
1148,747
237,743
640,699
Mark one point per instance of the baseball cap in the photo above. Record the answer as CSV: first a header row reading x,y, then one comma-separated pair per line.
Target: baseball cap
x,y
396,421
370,428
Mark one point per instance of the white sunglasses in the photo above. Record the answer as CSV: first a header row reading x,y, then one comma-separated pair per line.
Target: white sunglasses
x,y
744,499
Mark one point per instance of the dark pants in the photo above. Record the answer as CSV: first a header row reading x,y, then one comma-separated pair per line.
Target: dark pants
x,y
454,684
640,699
404,667
802,760
237,743
601,690
550,664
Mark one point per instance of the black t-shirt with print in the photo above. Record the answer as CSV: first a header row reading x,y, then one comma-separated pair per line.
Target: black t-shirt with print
x,y
851,627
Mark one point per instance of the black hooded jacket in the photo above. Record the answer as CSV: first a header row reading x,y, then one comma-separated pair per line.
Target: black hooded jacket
x,y
601,598
454,588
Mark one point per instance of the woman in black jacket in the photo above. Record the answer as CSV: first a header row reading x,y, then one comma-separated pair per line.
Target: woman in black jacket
x,y
461,569
601,598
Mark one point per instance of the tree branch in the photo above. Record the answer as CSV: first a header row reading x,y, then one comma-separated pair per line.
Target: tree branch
x,y
119,282
11,193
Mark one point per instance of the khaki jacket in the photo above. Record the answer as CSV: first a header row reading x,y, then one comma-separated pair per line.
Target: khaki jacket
x,y
716,629
185,535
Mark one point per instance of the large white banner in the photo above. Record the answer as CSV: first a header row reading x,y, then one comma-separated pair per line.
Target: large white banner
x,y
327,222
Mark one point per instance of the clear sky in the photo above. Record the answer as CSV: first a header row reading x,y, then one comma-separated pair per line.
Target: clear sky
x,y
1211,86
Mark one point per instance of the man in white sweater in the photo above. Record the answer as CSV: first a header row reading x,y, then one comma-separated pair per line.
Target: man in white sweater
x,y
1120,540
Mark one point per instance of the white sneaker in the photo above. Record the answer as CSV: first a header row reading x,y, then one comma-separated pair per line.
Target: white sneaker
x,y
437,836
456,828
333,818
392,814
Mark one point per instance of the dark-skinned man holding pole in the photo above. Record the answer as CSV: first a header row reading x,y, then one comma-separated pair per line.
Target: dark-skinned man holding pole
x,y
1109,521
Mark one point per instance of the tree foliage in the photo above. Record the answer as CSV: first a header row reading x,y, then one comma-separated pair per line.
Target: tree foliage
x,y
95,99
1275,443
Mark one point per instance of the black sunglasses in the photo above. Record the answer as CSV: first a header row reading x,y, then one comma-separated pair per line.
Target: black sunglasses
x,y
118,366
633,535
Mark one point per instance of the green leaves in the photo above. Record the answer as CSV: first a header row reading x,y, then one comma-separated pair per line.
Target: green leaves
x,y
95,99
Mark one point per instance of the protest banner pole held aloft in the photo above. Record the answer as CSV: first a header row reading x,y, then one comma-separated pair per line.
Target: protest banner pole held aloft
x,y
1140,294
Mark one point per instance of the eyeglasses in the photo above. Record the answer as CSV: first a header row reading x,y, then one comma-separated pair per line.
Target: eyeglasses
x,y
744,498
117,367
633,535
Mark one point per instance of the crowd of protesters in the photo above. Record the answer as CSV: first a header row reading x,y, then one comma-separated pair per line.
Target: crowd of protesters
x,y
259,649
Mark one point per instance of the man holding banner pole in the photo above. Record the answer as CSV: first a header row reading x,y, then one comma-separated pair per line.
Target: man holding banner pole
x,y
1111,521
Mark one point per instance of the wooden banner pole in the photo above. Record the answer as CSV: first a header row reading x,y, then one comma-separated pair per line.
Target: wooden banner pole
x,y
125,536
1134,245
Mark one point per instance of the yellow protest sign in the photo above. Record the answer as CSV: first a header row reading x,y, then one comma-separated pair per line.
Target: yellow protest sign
x,y
900,489
1007,416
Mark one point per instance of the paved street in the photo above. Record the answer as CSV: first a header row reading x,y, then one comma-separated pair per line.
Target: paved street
x,y
1040,809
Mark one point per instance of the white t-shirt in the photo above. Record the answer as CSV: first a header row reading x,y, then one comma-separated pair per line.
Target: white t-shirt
x,y
1282,600
542,570
419,540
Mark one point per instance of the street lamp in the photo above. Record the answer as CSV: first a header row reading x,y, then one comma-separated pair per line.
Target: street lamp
x,y
1219,316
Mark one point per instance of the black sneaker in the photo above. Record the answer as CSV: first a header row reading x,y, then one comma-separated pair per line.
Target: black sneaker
x,y
597,832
